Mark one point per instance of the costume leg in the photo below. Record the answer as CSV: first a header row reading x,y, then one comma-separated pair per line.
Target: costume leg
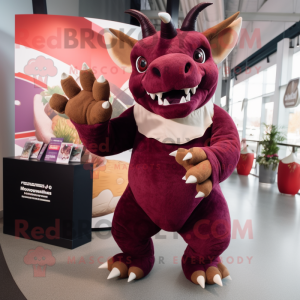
x,y
132,230
207,233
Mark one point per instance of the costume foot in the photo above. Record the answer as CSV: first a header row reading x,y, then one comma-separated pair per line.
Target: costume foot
x,y
211,273
124,265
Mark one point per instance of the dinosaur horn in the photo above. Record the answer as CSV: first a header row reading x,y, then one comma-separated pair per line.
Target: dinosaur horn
x,y
147,27
189,22
168,30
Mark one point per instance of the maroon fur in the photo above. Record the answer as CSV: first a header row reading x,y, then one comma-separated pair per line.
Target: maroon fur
x,y
156,196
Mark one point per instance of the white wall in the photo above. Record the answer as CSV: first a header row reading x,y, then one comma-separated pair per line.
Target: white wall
x,y
7,78
63,7
267,30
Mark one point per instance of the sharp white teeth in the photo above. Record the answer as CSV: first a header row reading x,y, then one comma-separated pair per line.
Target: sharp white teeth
x,y
166,102
160,102
187,91
188,97
159,95
152,96
194,90
182,100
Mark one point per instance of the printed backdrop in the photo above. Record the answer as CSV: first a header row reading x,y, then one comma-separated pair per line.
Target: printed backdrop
x,y
45,47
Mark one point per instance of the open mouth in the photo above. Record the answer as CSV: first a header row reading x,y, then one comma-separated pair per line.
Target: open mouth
x,y
174,96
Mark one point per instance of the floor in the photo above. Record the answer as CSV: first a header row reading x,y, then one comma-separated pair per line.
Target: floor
x,y
263,261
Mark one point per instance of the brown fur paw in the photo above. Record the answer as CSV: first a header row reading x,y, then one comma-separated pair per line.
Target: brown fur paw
x,y
58,103
88,106
198,169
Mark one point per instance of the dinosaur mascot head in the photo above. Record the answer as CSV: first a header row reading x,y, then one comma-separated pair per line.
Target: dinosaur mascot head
x,y
174,71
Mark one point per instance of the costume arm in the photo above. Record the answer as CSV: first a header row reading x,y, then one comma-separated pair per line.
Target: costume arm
x,y
224,150
111,137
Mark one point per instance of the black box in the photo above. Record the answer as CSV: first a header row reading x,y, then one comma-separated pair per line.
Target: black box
x,y
48,202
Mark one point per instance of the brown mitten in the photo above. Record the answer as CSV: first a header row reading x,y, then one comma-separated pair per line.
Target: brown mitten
x,y
88,106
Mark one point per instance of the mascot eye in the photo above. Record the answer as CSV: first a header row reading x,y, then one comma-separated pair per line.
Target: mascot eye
x,y
141,64
199,55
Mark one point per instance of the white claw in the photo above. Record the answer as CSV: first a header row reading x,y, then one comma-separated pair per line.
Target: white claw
x,y
103,266
131,277
228,277
187,91
191,179
173,153
182,100
84,66
194,90
147,93
188,97
184,178
200,195
152,96
64,75
106,104
160,102
165,17
201,281
115,272
188,156
166,102
217,280
101,79
159,95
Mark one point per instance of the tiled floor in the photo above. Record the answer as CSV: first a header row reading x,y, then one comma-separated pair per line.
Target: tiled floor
x,y
263,266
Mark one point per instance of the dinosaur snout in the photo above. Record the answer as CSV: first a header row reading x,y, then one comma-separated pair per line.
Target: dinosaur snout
x,y
174,71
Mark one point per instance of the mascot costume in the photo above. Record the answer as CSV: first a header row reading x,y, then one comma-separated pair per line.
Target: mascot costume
x,y
182,144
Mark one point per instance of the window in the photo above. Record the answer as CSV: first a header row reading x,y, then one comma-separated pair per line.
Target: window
x,y
255,86
238,117
239,92
270,79
296,64
293,136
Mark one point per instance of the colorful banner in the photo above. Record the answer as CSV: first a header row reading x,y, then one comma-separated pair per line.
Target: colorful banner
x,y
45,47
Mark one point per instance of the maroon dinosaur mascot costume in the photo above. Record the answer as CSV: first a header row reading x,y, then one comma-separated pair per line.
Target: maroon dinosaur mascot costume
x,y
183,145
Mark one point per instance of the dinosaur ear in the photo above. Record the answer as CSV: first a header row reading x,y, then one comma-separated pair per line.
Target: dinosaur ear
x,y
119,46
223,41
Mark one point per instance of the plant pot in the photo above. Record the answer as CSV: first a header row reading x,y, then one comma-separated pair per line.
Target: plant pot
x,y
289,175
267,174
245,163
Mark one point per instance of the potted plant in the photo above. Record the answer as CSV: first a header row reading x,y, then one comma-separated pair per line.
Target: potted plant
x,y
268,161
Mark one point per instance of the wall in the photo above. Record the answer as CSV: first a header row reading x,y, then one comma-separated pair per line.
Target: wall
x,y
63,7
267,30
103,9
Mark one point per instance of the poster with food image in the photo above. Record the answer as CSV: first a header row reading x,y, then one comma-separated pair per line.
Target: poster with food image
x,y
64,153
39,63
76,153
37,146
27,150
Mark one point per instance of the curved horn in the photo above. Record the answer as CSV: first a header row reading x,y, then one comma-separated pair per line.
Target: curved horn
x,y
168,30
189,22
147,27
